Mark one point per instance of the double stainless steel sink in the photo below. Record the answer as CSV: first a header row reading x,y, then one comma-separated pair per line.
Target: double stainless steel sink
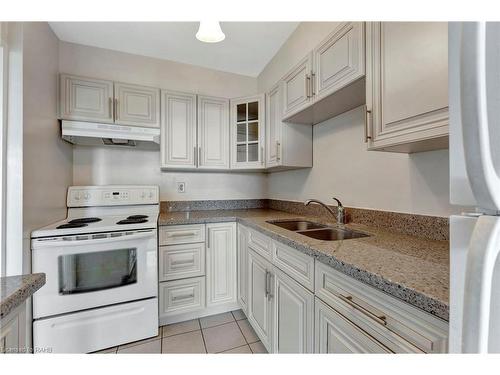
x,y
317,231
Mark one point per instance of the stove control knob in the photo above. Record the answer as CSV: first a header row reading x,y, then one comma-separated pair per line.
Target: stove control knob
x,y
86,196
150,195
143,195
77,196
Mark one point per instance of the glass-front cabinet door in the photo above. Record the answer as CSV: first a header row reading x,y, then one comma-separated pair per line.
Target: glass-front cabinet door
x,y
247,132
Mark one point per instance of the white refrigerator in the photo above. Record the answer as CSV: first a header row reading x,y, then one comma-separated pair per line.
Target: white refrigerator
x,y
474,93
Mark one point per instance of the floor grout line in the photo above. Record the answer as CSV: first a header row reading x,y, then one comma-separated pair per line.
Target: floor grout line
x,y
243,335
235,348
203,338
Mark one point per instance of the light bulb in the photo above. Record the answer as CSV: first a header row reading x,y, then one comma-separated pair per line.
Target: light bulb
x,y
210,32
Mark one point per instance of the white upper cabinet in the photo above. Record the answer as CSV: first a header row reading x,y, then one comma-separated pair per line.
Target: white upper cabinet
x,y
85,99
328,81
297,88
213,132
247,133
137,105
407,86
178,130
287,145
97,100
339,59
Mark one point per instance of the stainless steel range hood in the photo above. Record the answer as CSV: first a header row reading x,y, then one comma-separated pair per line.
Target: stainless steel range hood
x,y
99,134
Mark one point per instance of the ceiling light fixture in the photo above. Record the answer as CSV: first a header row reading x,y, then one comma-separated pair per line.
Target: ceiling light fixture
x,y
210,32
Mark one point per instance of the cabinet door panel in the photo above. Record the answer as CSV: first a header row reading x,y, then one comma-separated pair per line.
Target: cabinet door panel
x,y
297,87
293,316
221,263
339,59
259,305
407,84
336,334
273,127
243,267
181,296
247,132
213,132
137,105
181,261
178,133
85,99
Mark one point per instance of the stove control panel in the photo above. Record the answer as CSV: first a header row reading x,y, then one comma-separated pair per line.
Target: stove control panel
x,y
112,195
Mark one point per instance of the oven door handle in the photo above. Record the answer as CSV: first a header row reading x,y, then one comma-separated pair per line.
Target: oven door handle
x,y
43,243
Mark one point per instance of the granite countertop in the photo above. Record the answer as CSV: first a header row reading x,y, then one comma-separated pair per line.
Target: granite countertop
x,y
413,269
14,290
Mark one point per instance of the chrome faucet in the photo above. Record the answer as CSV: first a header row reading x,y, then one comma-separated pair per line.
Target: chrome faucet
x,y
339,216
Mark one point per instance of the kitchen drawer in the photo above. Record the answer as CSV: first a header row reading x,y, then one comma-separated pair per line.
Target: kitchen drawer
x,y
336,334
182,296
260,243
295,264
178,234
182,261
396,324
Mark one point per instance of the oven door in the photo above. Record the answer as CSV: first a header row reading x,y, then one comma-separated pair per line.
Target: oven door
x,y
92,270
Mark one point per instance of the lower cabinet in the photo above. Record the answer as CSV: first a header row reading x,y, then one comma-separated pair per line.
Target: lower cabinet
x,y
182,296
293,308
242,258
336,334
9,333
221,263
198,271
298,305
259,313
280,310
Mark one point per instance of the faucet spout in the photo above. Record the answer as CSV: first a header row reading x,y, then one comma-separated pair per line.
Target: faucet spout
x,y
339,215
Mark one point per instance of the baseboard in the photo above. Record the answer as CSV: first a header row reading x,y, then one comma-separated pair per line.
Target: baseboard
x,y
170,319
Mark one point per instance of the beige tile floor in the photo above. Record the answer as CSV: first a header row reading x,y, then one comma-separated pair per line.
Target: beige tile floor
x,y
222,333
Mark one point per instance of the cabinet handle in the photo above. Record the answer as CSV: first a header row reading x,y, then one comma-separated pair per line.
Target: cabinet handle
x,y
183,262
381,319
176,298
199,156
278,151
308,85
111,109
208,238
195,158
268,285
313,86
181,234
367,114
116,108
262,155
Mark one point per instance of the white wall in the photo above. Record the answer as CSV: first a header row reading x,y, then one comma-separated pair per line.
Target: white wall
x,y
48,160
415,183
111,166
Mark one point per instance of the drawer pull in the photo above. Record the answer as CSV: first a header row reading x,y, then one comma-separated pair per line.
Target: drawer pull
x,y
182,262
187,296
381,319
182,234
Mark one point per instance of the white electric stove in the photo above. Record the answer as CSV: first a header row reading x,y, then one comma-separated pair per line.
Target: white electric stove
x,y
101,271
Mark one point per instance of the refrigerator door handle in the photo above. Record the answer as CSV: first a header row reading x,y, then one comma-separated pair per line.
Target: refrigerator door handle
x,y
479,87
482,256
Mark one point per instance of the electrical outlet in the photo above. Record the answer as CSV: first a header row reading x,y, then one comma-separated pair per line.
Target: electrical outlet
x,y
181,187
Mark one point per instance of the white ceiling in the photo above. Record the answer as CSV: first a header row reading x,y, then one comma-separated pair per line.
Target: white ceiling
x,y
248,46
